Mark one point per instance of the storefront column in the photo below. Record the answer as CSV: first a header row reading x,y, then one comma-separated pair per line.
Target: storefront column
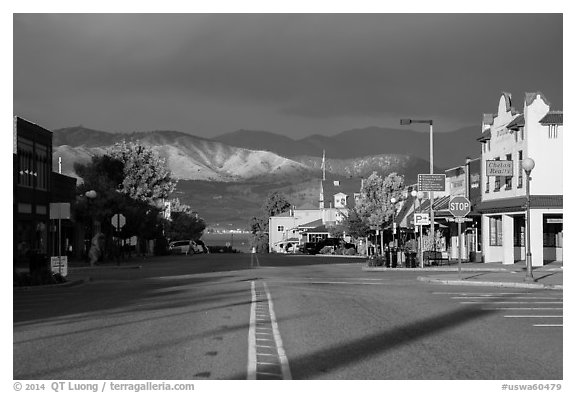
x,y
486,249
537,237
507,239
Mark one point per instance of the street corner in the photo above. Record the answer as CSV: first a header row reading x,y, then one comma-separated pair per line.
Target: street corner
x,y
468,281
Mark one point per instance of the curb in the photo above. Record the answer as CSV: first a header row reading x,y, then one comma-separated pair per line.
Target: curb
x,y
490,283
104,267
434,269
62,285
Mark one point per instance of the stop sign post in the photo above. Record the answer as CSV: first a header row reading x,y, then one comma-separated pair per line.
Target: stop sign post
x,y
459,207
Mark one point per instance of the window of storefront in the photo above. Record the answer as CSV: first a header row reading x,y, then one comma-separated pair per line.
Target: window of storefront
x,y
519,231
42,167
520,171
316,237
496,230
553,231
25,162
497,179
508,179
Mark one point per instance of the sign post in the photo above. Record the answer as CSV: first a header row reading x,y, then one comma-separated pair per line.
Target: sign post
x,y
60,211
421,219
459,207
118,221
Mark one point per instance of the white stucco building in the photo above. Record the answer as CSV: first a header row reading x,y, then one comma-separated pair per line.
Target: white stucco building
x,y
536,132
309,223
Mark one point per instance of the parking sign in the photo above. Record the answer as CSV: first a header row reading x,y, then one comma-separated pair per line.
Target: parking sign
x,y
421,219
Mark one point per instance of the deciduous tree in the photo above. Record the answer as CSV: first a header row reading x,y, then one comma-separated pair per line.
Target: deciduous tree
x,y
146,176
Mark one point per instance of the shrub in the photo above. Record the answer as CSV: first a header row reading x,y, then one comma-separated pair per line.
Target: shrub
x,y
350,251
375,261
327,250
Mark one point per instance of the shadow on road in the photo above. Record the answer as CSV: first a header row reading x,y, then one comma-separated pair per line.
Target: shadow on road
x,y
320,361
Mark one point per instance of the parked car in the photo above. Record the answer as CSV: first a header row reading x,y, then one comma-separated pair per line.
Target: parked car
x,y
201,247
314,248
308,248
182,247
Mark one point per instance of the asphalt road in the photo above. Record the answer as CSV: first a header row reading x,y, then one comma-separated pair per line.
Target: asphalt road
x,y
233,316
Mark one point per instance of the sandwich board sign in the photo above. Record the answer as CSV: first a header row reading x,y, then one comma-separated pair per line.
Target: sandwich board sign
x,y
59,265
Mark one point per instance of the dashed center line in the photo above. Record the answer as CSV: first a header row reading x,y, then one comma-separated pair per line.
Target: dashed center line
x,y
264,339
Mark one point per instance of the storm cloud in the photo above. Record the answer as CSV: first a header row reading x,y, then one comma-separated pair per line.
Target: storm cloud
x,y
288,73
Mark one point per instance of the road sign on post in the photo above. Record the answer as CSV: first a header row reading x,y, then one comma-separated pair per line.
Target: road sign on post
x,y
431,182
459,206
118,221
421,219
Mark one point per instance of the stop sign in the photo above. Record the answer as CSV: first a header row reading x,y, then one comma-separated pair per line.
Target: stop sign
x,y
459,206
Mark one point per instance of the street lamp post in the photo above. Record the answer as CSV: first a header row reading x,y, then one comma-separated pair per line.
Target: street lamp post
x,y
90,196
404,122
528,164
393,200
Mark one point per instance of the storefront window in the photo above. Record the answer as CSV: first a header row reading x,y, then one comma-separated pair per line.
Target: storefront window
x,y
553,231
25,162
519,231
496,230
42,167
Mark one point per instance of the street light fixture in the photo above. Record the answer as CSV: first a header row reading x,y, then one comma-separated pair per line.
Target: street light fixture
x,y
528,164
405,122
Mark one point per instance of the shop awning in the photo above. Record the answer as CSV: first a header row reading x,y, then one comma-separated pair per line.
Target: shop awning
x,y
506,205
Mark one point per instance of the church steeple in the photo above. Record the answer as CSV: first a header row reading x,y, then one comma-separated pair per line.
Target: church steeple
x,y
321,194
323,179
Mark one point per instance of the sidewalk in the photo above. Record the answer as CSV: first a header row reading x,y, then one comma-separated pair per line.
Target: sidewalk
x,y
549,276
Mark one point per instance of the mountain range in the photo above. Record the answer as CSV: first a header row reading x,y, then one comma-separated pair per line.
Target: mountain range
x,y
228,177
450,148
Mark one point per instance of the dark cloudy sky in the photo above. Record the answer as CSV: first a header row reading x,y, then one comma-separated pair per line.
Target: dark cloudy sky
x,y
296,74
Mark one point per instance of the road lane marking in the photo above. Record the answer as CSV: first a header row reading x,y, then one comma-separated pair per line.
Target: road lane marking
x,y
481,294
522,308
505,297
329,282
265,373
533,316
499,302
548,325
280,347
252,336
262,317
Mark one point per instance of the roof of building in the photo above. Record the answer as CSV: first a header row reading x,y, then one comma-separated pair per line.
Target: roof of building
x,y
312,224
318,229
307,206
488,118
405,209
516,123
552,117
348,186
285,214
530,97
519,203
486,135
